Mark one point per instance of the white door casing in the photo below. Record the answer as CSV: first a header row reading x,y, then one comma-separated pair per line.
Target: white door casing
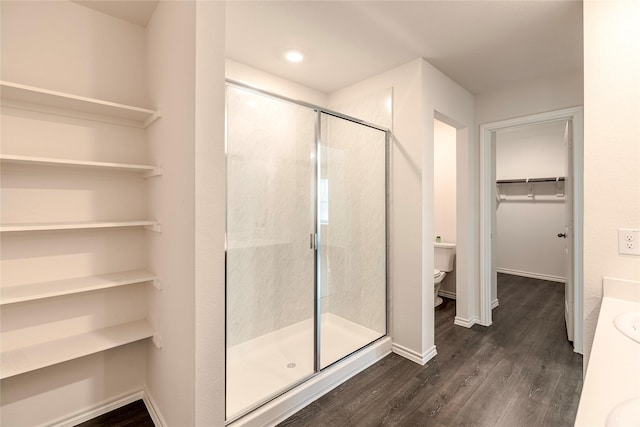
x,y
574,116
568,231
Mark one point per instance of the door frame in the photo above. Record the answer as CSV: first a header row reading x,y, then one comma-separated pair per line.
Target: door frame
x,y
487,211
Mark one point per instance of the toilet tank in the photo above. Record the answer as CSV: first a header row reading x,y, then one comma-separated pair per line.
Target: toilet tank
x,y
444,254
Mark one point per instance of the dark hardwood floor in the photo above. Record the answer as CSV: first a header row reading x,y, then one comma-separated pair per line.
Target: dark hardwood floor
x,y
521,371
134,414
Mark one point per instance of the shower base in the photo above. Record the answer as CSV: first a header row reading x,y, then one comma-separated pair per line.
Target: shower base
x,y
265,367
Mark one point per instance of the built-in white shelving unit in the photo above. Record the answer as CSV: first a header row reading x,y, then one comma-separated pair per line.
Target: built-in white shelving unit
x,y
52,351
25,350
32,98
55,288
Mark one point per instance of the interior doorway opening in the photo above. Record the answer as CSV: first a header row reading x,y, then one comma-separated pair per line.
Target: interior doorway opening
x,y
569,186
444,209
460,288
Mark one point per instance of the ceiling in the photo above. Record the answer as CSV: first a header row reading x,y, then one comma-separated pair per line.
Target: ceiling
x,y
134,11
482,45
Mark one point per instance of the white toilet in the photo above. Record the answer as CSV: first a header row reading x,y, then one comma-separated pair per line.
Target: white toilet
x,y
444,254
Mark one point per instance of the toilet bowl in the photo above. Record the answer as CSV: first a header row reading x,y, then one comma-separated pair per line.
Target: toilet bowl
x,y
444,254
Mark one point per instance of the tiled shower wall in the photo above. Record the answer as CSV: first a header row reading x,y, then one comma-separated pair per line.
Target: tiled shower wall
x,y
269,216
270,275
356,241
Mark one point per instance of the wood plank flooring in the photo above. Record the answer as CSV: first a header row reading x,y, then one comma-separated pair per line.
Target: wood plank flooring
x,y
134,414
521,371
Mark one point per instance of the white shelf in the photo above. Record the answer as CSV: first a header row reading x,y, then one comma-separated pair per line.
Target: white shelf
x,y
32,98
5,228
34,291
45,161
53,351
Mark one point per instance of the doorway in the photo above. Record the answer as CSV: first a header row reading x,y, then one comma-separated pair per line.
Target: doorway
x,y
568,186
444,203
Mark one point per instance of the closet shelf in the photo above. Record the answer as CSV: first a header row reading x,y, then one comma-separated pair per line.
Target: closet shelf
x,y
6,228
40,290
534,198
52,351
45,161
32,98
530,180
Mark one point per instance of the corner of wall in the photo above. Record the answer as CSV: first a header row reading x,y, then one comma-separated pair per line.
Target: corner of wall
x,y
171,55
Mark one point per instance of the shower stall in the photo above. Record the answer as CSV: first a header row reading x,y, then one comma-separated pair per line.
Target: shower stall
x,y
306,277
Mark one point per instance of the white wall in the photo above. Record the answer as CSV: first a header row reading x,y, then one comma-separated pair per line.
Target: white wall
x,y
529,97
210,214
611,147
452,104
62,46
444,175
419,91
186,80
527,242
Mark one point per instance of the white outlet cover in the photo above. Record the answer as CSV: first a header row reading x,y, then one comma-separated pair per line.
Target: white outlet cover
x,y
629,241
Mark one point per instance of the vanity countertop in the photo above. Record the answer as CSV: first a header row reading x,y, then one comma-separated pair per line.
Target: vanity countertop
x,y
613,373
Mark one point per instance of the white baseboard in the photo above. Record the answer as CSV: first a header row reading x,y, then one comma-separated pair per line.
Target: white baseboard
x,y
414,356
447,294
531,275
99,409
152,408
467,323
110,405
494,303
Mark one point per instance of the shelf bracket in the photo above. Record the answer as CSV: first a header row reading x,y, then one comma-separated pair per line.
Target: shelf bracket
x,y
157,340
559,188
154,172
157,284
157,227
155,116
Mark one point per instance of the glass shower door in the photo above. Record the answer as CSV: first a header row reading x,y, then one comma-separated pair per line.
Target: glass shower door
x,y
271,178
352,236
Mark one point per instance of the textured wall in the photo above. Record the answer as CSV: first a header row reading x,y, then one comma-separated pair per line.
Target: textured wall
x,y
270,214
444,181
611,148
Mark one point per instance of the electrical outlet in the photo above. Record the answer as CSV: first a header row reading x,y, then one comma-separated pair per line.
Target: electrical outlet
x,y
629,241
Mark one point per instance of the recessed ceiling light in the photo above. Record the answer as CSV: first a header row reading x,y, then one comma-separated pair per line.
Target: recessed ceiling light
x,y
293,55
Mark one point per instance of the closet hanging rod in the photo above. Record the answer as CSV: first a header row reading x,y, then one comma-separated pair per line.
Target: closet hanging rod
x,y
528,180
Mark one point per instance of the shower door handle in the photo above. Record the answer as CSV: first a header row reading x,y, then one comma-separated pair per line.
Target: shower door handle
x,y
313,241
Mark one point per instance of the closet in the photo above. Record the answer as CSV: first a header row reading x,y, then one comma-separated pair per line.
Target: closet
x,y
58,209
530,200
